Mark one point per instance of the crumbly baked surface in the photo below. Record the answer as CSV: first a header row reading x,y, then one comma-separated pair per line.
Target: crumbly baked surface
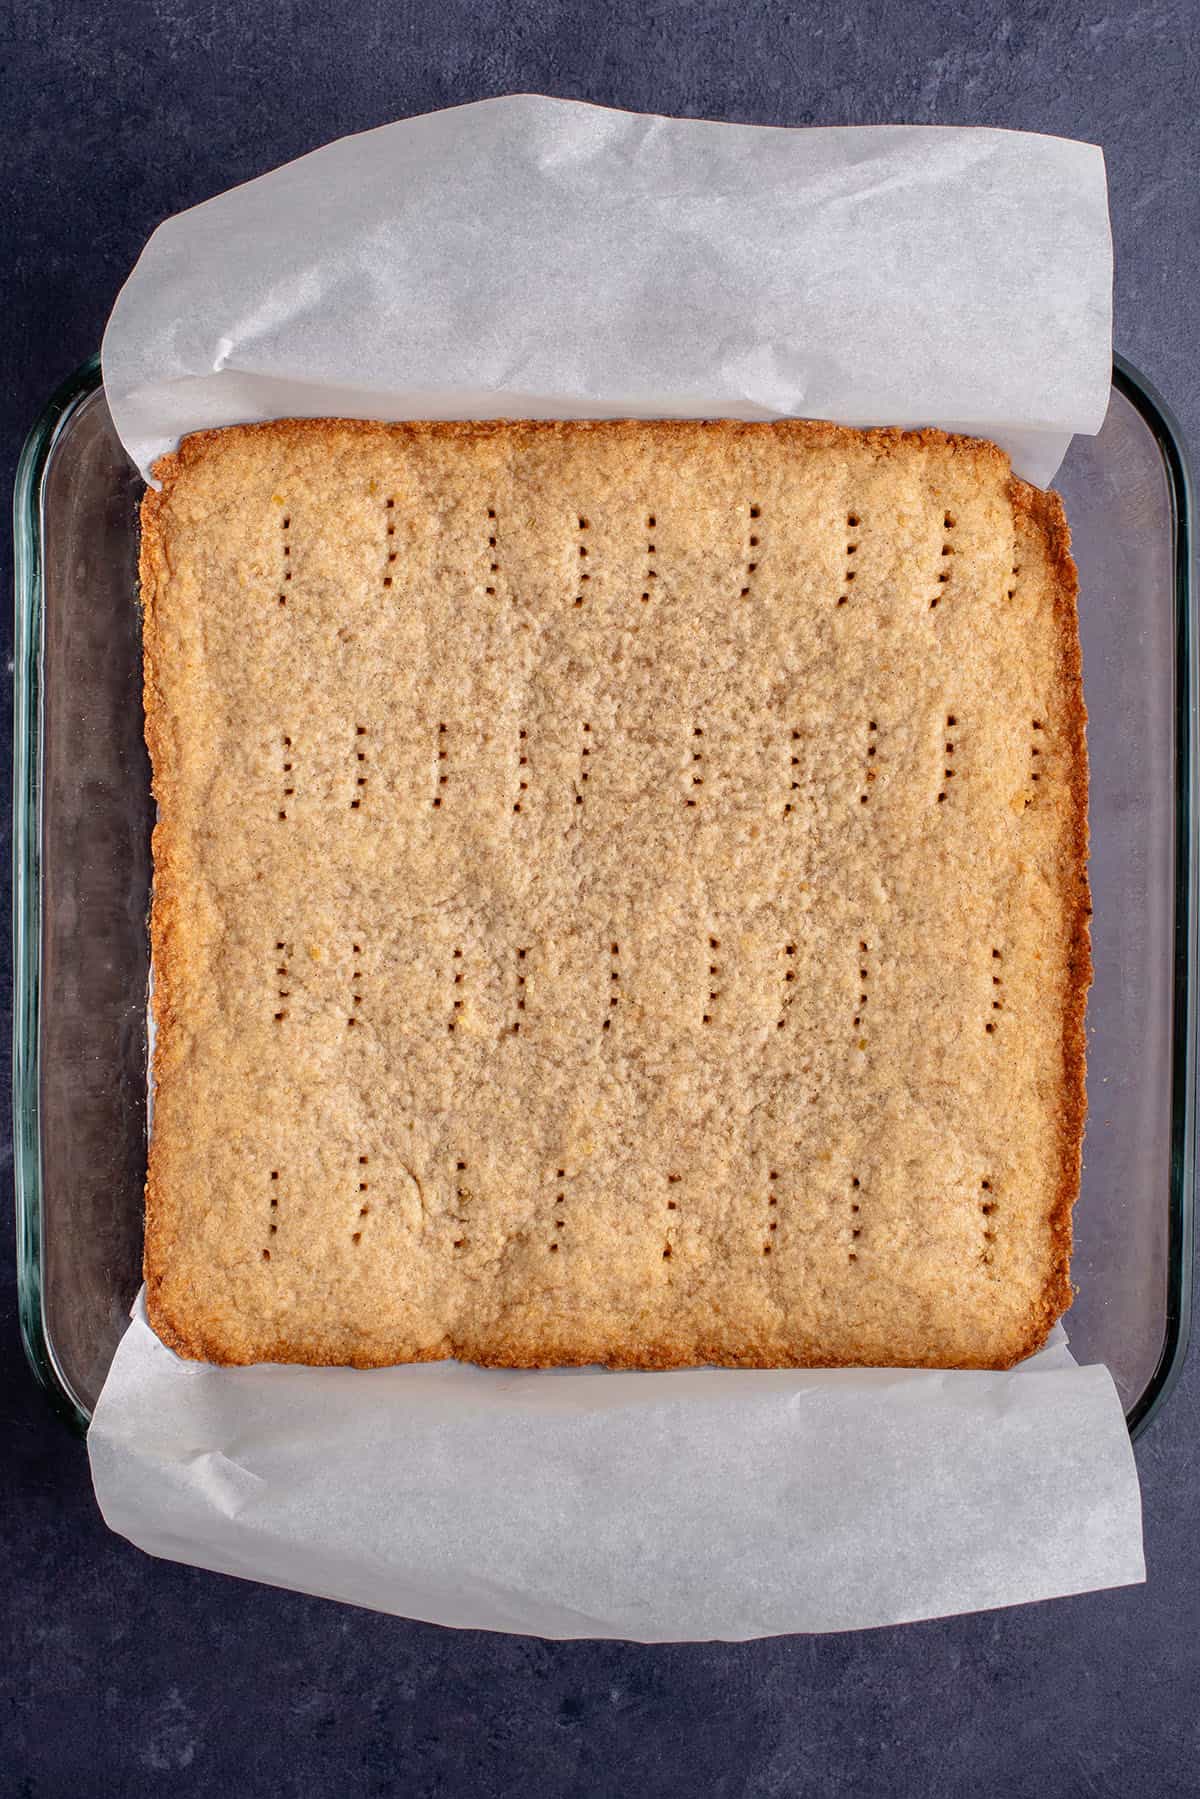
x,y
620,895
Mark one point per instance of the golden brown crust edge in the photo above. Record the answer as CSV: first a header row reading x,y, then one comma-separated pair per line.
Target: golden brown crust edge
x,y
168,940
164,935
1044,510
1041,508
812,433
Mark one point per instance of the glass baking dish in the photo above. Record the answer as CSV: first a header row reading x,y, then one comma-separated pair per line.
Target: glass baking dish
x,y
82,823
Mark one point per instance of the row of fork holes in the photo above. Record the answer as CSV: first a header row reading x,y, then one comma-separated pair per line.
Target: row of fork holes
x,y
863,995
364,1208
997,1001
585,759
714,975
457,1003
714,970
997,991
696,779
286,547
1035,751
751,552
673,1180
855,1228
282,971
584,576
987,1206
789,805
443,757
586,749
948,771
614,989
651,553
560,1200
651,573
288,770
462,1193
948,523
390,542
520,982
522,765
872,752
493,565
851,551
772,1205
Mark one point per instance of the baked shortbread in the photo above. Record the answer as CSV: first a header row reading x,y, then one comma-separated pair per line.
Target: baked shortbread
x,y
620,896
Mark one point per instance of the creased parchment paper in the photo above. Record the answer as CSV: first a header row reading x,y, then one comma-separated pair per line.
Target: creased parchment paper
x,y
577,1503
531,257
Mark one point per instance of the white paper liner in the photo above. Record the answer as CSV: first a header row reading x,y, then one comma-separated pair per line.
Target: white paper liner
x,y
701,1504
531,257
526,257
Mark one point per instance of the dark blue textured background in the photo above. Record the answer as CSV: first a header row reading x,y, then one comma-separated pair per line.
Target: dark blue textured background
x,y
122,1676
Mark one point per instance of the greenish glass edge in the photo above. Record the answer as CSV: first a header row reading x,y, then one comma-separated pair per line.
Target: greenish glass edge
x,y
1181,1225
29,612
27,913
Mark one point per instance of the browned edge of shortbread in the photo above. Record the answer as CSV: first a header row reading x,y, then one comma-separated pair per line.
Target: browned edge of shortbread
x,y
1040,508
1044,510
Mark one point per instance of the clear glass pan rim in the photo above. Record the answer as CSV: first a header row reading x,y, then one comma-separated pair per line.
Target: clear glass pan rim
x,y
27,892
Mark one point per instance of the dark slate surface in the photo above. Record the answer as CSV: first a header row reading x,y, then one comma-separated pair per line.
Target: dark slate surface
x,y
123,1676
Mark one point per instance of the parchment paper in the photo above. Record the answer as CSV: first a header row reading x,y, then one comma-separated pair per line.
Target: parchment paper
x,y
526,257
577,1503
537,257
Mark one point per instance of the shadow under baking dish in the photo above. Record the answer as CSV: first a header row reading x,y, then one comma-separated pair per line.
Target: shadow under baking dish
x,y
83,813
